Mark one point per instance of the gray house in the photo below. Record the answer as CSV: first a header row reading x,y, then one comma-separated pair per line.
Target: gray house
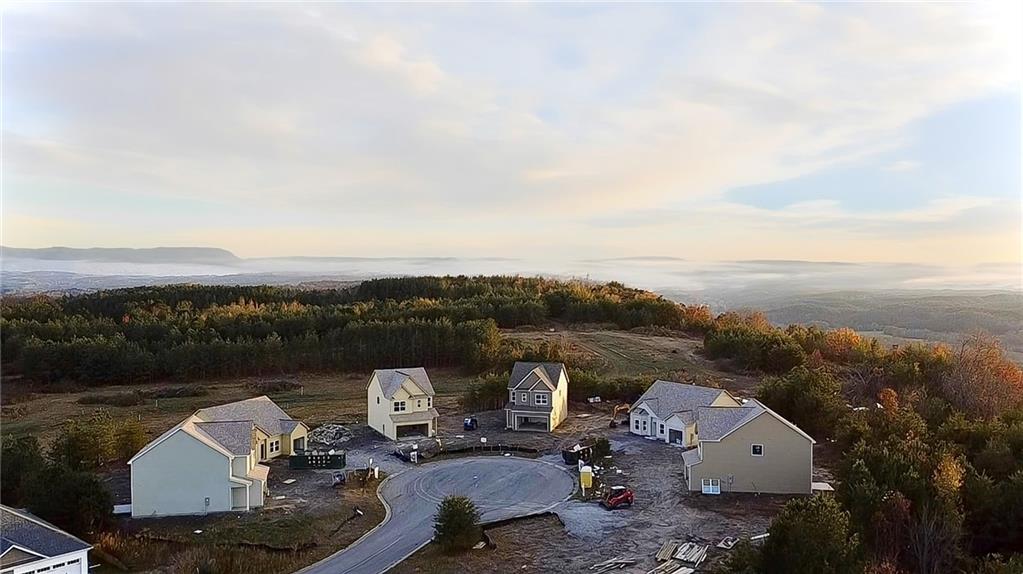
x,y
537,396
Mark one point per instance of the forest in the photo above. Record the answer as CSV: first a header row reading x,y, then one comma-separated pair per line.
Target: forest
x,y
190,332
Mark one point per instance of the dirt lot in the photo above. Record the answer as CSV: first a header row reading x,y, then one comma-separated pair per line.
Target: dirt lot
x,y
584,533
311,511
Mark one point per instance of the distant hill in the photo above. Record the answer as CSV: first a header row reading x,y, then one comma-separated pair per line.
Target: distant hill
x,y
193,255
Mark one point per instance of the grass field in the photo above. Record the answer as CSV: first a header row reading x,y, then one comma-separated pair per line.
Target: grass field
x,y
341,397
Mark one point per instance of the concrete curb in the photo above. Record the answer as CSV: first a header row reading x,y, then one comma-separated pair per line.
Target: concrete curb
x,y
387,517
387,509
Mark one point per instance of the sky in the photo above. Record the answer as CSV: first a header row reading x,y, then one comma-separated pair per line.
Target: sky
x,y
844,132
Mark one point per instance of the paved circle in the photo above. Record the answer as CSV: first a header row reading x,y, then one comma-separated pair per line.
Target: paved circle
x,y
501,487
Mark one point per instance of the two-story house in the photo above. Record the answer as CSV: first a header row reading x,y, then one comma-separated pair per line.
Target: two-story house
x,y
210,462
537,396
400,403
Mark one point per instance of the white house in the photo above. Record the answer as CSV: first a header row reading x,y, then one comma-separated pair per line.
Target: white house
x,y
29,544
210,462
400,403
668,410
537,396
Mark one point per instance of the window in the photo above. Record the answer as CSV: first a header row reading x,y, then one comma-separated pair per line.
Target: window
x,y
635,424
644,426
429,402
524,398
757,450
419,403
710,486
275,446
399,406
378,400
661,431
542,399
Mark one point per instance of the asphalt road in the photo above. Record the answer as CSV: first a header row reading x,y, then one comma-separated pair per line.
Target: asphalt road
x,y
501,487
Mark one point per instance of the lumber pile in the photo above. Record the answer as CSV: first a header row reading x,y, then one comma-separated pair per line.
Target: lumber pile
x,y
691,553
667,550
612,564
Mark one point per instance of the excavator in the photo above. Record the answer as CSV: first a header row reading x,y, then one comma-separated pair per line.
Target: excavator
x,y
619,409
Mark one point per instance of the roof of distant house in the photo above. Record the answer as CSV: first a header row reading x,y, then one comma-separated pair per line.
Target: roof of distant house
x,y
392,379
20,530
526,374
228,428
666,398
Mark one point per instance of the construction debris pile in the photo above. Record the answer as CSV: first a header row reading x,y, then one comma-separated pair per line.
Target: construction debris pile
x,y
612,564
329,436
679,557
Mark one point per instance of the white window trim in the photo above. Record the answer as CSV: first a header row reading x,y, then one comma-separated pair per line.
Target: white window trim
x,y
524,398
752,446
546,399
399,407
429,402
710,486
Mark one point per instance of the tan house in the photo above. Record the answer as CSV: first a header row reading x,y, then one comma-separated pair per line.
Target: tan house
x,y
537,396
400,403
210,462
733,445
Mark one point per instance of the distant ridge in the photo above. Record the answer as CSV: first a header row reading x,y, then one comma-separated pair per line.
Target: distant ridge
x,y
195,255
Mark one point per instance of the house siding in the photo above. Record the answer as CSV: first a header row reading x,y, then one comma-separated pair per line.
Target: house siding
x,y
177,475
557,400
380,408
82,567
785,467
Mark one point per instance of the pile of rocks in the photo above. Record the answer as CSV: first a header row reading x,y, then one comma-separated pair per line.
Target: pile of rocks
x,y
329,435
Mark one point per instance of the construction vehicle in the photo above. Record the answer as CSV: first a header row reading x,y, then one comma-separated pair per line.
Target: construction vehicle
x,y
619,409
470,423
617,497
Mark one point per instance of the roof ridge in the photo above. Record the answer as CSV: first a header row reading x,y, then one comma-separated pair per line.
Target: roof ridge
x,y
33,518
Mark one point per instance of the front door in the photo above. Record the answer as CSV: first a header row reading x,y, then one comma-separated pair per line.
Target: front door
x,y
262,451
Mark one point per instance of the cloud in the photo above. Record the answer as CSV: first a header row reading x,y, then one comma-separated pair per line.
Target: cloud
x,y
902,165
423,120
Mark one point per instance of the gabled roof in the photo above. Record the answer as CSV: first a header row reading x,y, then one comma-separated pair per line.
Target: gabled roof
x,y
526,375
228,428
260,410
691,457
23,531
716,422
392,379
666,398
235,436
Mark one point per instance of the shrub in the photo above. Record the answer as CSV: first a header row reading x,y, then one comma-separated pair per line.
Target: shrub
x,y
811,399
19,463
835,549
267,387
456,525
74,500
129,438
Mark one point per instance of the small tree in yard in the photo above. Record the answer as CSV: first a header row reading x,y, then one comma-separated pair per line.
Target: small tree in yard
x,y
457,524
811,536
74,500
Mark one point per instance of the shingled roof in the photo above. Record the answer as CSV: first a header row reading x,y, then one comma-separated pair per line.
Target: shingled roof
x,y
392,379
666,398
19,529
715,422
526,374
260,410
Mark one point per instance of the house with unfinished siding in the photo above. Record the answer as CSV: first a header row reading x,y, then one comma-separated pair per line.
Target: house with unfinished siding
x,y
732,445
211,461
537,396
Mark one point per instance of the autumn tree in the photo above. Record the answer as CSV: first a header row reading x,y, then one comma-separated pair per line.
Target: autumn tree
x,y
980,380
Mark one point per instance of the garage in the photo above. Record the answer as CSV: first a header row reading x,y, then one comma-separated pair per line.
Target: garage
x,y
524,422
675,436
405,431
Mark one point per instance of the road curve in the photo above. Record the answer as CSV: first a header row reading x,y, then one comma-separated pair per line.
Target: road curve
x,y
501,487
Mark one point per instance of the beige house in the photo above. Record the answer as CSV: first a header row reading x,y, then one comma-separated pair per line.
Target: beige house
x,y
400,403
210,462
733,445
29,544
537,396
